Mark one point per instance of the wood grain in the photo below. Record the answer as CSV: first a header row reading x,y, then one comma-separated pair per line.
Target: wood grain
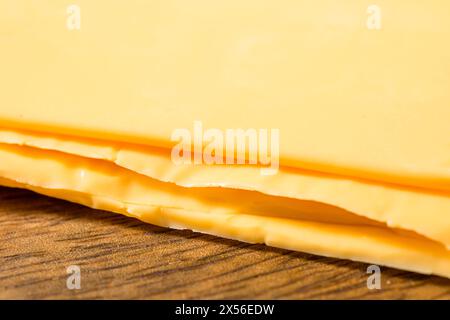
x,y
122,258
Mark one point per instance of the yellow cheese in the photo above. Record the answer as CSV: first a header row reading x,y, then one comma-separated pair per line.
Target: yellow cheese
x,y
95,176
423,211
372,244
362,110
348,99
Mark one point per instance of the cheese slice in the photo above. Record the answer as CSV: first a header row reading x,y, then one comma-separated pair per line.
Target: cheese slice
x,y
95,176
362,110
348,99
360,242
423,211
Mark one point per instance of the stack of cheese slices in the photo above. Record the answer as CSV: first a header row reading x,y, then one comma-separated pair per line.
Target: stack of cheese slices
x,y
92,93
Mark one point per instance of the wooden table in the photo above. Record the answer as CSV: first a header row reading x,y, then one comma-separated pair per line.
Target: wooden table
x,y
122,258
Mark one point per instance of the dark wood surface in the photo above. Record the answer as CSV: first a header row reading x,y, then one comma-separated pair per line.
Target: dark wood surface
x,y
123,258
